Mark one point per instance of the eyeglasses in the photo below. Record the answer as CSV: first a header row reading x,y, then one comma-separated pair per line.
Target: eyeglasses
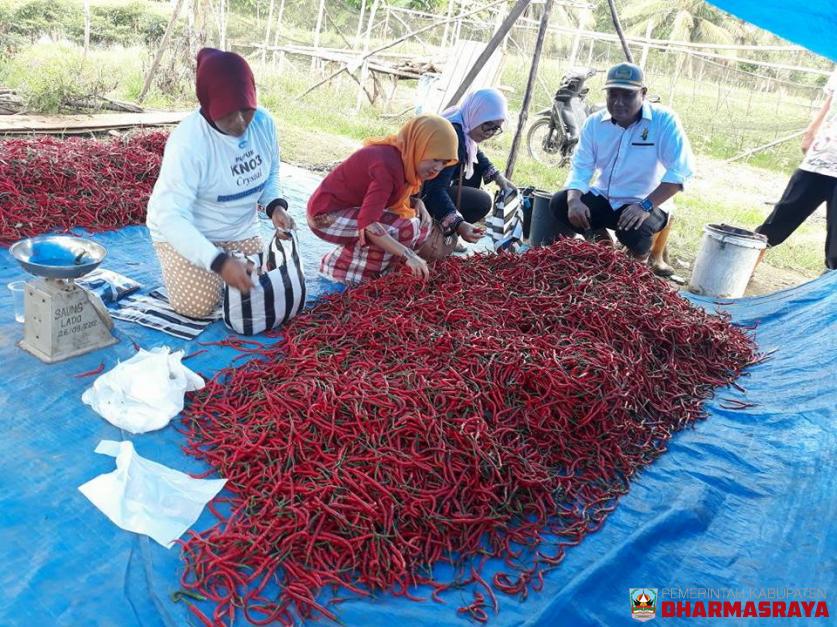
x,y
490,130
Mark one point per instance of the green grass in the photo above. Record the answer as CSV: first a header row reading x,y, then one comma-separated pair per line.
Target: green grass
x,y
51,77
325,127
802,251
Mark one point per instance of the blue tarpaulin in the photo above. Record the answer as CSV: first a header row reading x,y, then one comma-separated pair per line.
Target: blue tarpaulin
x,y
809,23
743,502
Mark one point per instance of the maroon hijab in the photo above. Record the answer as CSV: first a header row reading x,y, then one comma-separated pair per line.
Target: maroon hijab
x,y
224,83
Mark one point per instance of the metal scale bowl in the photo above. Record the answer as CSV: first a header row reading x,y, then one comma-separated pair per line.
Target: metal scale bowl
x,y
62,319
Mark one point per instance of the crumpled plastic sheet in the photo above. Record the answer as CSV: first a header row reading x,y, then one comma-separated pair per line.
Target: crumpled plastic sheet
x,y
143,393
146,497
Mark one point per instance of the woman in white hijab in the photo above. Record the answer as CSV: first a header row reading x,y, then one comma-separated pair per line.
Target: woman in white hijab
x,y
480,116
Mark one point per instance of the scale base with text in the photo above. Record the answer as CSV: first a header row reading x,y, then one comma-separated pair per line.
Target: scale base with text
x,y
63,320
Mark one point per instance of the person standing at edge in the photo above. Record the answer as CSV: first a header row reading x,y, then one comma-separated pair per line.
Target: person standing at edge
x,y
813,183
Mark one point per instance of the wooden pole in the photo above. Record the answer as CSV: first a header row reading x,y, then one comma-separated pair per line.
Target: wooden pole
x,y
490,47
268,24
618,26
645,48
200,10
86,26
158,57
753,151
575,45
360,21
527,97
447,23
276,34
364,67
385,28
222,14
317,30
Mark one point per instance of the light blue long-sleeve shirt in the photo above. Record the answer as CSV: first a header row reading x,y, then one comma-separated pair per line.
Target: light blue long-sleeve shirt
x,y
626,164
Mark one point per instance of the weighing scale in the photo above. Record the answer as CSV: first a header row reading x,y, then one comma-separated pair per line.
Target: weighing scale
x,y
62,319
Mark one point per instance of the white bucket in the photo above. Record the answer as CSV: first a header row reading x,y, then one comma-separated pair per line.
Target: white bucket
x,y
726,260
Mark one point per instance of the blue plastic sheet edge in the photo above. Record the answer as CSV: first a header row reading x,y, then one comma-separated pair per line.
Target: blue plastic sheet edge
x,y
741,503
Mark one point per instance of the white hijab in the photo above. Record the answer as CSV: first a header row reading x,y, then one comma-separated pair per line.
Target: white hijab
x,y
477,108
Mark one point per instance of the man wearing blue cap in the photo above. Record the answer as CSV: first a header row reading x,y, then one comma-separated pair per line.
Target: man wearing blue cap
x,y
630,159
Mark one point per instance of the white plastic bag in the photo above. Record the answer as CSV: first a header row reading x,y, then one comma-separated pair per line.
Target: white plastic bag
x,y
146,497
145,392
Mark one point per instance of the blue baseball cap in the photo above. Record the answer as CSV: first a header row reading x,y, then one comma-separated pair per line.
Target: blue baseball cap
x,y
625,76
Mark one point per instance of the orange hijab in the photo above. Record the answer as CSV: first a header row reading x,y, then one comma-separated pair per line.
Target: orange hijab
x,y
426,136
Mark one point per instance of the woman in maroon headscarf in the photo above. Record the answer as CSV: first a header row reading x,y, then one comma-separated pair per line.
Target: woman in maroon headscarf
x,y
220,164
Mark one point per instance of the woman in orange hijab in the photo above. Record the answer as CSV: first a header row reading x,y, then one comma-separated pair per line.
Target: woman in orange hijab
x,y
367,204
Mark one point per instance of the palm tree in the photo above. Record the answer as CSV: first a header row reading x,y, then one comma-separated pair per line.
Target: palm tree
x,y
684,20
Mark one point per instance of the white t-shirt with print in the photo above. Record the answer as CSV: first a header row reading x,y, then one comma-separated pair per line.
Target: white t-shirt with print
x,y
822,155
210,185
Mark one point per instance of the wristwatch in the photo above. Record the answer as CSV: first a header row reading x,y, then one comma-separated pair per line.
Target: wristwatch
x,y
646,205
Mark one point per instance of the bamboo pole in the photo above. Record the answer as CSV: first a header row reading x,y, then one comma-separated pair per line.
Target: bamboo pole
x,y
385,27
527,97
575,45
646,47
337,29
364,66
407,27
159,55
276,35
200,12
86,26
360,21
448,15
222,15
267,29
618,26
776,142
317,29
498,22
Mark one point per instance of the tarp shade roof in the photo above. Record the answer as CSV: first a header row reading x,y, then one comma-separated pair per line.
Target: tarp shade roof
x,y
809,23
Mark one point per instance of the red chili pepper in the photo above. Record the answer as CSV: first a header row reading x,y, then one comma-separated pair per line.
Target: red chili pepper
x,y
499,411
200,615
90,373
53,184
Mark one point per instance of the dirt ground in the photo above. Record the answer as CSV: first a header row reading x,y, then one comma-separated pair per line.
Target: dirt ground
x,y
717,181
736,183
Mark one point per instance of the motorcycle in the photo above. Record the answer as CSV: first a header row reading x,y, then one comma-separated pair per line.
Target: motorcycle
x,y
554,134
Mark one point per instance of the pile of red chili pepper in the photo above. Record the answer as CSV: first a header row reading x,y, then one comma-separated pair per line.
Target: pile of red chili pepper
x,y
498,411
51,184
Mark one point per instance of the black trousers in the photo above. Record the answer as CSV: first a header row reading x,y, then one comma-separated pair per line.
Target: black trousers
x,y
475,203
603,216
804,193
